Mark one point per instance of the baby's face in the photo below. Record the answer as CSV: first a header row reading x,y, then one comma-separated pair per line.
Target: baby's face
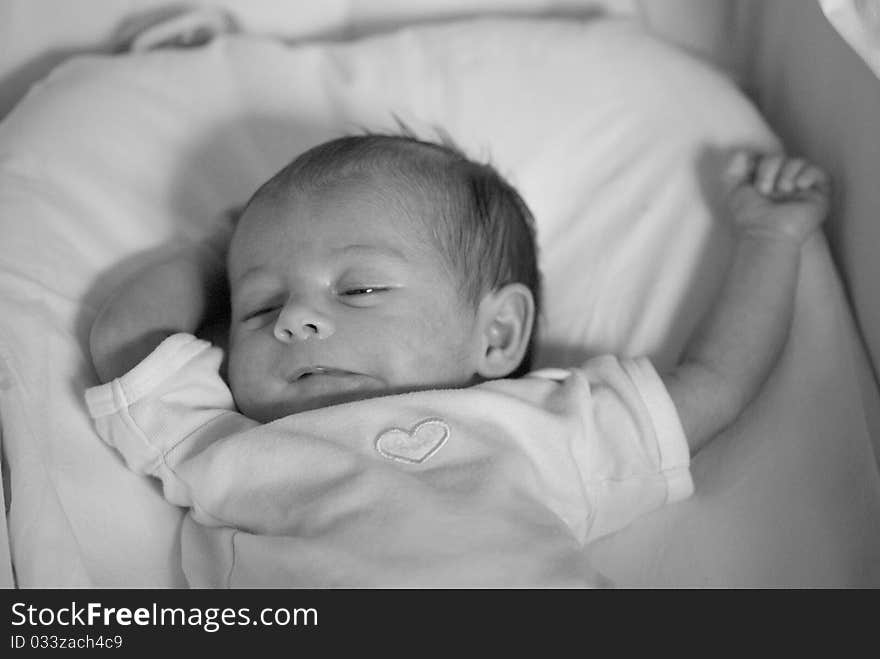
x,y
337,296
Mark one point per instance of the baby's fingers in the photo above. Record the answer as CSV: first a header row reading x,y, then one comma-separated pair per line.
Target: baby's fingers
x,y
811,177
789,173
740,170
767,172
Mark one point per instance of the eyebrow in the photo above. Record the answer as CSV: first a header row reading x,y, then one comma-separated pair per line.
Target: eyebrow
x,y
355,249
372,250
257,270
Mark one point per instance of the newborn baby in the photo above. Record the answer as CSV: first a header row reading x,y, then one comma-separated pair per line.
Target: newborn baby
x,y
370,265
377,265
375,430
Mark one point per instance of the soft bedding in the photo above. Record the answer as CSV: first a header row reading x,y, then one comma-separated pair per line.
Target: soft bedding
x,y
614,140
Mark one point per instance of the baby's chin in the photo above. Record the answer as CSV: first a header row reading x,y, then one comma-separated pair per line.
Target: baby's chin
x,y
308,398
266,413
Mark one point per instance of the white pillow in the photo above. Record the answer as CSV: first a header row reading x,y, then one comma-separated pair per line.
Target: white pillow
x,y
612,137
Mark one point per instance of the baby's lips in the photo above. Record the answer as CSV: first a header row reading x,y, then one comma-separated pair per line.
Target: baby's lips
x,y
298,373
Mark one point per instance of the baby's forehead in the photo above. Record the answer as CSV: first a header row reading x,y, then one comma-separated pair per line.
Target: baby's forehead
x,y
364,211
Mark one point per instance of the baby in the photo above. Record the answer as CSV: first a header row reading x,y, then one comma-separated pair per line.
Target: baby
x,y
383,295
419,264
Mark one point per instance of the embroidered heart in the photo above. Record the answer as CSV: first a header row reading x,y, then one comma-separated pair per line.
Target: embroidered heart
x,y
413,446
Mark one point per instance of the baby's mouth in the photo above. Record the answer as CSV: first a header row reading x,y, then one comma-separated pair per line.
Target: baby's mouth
x,y
319,386
306,372
311,387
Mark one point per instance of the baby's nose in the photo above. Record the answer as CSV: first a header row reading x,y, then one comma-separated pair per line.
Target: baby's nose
x,y
299,322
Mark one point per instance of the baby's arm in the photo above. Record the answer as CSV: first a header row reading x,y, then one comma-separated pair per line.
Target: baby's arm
x,y
776,203
173,295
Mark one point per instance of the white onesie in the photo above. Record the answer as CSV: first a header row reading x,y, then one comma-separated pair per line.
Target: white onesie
x,y
498,484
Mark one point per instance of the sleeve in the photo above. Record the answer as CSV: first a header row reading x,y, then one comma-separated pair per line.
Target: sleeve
x,y
635,456
170,407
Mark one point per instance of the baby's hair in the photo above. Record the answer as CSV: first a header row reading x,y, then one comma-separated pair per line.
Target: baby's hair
x,y
484,228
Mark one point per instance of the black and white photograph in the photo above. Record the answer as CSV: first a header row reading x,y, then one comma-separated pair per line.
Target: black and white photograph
x,y
436,295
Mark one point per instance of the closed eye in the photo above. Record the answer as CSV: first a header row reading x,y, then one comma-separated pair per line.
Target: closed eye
x,y
363,296
259,312
365,290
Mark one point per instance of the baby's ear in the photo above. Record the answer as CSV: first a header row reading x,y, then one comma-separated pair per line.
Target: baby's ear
x,y
505,319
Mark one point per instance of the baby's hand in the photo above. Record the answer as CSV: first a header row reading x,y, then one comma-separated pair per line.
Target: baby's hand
x,y
776,197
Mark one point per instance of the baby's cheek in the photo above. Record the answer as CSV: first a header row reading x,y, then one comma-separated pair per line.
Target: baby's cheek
x,y
238,385
439,352
245,372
